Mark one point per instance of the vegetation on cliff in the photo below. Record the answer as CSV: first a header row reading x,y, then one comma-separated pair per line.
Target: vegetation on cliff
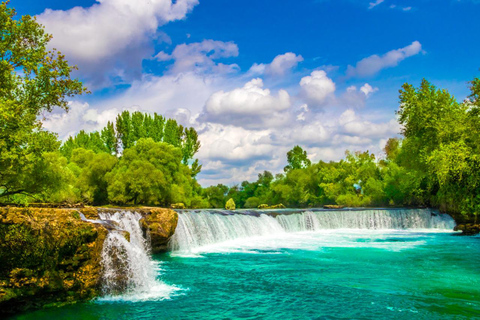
x,y
49,256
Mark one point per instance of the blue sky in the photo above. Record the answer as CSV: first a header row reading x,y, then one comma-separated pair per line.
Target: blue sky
x,y
257,77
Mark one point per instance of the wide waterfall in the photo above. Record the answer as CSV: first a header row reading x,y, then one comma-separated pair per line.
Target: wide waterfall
x,y
128,268
205,227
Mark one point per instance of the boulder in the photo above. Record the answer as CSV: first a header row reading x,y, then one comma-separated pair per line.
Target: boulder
x,y
333,206
160,225
468,228
177,206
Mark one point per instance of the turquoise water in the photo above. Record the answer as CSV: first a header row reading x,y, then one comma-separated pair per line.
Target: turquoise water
x,y
326,274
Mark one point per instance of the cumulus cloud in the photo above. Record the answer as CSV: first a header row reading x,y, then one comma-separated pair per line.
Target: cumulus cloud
x,y
112,37
317,88
234,145
199,57
167,94
372,65
80,116
280,65
356,98
249,106
283,63
353,125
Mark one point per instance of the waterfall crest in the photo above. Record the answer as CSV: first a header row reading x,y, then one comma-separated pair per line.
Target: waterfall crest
x,y
205,227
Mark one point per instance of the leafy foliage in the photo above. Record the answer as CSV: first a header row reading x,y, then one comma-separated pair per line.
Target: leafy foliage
x,y
32,80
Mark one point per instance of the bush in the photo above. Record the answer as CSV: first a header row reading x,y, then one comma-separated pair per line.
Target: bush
x,y
230,205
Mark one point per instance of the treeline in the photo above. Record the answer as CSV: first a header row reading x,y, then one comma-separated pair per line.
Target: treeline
x,y
142,159
148,159
436,163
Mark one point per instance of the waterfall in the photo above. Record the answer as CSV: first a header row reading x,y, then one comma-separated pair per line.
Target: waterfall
x,y
127,266
204,227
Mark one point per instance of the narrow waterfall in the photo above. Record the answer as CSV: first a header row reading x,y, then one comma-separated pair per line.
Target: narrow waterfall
x,y
205,227
127,266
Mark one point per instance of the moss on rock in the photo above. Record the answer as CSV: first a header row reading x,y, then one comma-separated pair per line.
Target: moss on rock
x,y
49,257
160,224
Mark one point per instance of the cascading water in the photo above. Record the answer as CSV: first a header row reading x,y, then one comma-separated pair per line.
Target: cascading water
x,y
206,227
127,266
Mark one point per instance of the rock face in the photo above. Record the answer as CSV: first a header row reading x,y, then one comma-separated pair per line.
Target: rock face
x,y
160,224
48,257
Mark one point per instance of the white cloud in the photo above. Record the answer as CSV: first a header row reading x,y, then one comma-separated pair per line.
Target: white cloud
x,y
374,64
283,63
372,5
353,125
317,87
256,69
280,66
112,37
249,106
199,57
167,94
368,89
81,116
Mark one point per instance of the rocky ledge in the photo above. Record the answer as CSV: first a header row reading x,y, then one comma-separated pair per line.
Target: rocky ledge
x,y
50,256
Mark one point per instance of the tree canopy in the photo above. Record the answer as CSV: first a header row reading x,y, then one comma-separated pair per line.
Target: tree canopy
x,y
32,80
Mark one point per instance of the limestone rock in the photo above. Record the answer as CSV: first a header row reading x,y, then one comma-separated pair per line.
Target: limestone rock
x,y
468,228
160,224
49,256
177,206
333,206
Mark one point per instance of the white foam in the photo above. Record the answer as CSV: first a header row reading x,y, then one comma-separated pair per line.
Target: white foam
x,y
129,273
204,231
157,292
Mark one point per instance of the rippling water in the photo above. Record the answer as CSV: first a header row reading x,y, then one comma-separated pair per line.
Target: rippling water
x,y
325,274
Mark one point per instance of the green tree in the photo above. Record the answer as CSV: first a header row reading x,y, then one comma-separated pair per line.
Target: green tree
x,y
146,174
91,174
297,159
109,138
32,80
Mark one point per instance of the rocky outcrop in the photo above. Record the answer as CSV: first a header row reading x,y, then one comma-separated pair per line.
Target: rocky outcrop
x,y
276,206
160,225
48,257
468,229
333,206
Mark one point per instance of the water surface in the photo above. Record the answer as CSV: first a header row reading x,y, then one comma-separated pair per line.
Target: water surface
x,y
421,273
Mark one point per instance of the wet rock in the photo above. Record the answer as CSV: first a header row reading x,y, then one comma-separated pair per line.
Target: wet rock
x,y
160,224
177,206
275,206
468,228
333,206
